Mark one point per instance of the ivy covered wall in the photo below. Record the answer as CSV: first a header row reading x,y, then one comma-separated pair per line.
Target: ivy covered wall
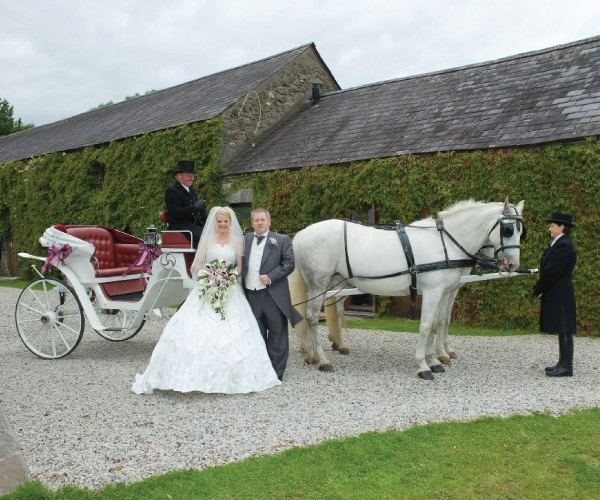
x,y
121,184
558,177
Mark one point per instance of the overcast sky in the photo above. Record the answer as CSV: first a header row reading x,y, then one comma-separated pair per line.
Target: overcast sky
x,y
59,58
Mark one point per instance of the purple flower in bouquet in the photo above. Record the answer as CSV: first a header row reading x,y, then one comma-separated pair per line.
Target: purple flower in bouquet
x,y
214,284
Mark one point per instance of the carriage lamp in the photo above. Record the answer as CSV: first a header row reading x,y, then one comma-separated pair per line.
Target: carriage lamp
x,y
151,237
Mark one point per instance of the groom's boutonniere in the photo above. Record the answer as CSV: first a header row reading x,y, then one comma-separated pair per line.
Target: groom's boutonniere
x,y
273,241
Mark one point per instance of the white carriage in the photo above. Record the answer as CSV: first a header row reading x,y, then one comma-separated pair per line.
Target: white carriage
x,y
112,278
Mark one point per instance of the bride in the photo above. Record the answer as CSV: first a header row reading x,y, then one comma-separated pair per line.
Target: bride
x,y
204,348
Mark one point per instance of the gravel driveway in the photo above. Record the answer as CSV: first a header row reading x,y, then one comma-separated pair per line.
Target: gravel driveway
x,y
79,423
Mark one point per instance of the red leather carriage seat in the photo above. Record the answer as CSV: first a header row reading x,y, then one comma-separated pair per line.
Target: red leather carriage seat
x,y
113,258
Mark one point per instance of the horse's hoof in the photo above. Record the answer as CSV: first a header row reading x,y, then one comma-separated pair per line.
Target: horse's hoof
x,y
426,375
310,361
328,367
344,350
445,360
334,346
452,354
437,369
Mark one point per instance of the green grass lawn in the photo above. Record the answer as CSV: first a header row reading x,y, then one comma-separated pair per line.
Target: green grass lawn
x,y
16,283
411,325
522,457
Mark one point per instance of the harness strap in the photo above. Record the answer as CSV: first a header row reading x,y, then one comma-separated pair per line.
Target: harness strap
x,y
423,268
439,224
350,275
410,260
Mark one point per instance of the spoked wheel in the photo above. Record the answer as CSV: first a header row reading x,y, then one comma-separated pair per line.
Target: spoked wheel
x,y
117,322
49,318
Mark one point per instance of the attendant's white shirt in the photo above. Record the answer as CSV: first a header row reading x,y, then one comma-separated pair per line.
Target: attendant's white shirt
x,y
254,260
556,239
185,187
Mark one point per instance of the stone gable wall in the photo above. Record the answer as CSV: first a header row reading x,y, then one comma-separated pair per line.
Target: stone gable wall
x,y
282,96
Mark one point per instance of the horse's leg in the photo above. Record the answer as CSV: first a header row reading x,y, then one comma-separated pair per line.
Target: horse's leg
x,y
444,337
334,315
430,355
299,295
441,326
312,317
429,306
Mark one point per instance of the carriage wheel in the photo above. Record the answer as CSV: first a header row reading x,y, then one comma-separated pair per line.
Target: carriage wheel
x,y
117,319
49,318
117,322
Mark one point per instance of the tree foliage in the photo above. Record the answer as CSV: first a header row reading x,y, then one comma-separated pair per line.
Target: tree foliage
x,y
8,124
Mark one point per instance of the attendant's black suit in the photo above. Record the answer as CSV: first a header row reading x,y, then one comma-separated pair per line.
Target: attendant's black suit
x,y
182,214
558,297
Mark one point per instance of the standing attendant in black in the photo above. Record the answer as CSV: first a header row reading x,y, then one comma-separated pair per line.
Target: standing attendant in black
x,y
555,289
186,211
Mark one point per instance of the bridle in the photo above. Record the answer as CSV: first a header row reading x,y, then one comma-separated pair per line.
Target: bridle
x,y
507,223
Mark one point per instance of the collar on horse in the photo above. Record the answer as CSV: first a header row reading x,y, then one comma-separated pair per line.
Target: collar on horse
x,y
506,230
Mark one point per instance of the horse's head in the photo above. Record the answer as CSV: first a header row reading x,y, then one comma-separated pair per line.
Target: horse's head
x,y
506,235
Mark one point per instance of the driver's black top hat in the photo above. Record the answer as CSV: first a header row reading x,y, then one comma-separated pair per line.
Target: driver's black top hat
x,y
185,166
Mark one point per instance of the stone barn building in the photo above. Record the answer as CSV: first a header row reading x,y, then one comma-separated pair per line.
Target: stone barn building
x,y
287,112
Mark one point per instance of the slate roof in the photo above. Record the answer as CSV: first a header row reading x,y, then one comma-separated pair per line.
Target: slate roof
x,y
194,101
532,98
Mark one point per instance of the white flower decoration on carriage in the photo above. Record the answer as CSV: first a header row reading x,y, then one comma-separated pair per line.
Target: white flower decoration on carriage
x,y
273,241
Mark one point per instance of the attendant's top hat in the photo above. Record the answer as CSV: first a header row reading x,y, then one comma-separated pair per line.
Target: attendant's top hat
x,y
185,166
561,219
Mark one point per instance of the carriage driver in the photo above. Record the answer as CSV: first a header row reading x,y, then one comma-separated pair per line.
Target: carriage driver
x,y
186,211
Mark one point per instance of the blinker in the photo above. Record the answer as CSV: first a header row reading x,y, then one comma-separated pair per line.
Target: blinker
x,y
507,229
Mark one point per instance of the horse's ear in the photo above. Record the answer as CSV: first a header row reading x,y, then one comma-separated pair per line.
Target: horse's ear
x,y
520,207
506,205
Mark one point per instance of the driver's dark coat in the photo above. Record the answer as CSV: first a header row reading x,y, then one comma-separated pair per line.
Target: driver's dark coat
x,y
182,214
556,287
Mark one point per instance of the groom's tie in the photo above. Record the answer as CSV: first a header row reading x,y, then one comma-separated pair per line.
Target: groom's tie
x,y
259,239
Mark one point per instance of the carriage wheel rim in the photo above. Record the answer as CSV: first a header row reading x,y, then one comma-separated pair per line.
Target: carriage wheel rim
x,y
50,322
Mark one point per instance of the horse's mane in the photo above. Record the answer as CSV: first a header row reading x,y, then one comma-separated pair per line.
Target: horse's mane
x,y
462,206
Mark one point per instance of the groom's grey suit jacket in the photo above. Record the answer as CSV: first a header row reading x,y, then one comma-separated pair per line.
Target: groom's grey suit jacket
x,y
277,263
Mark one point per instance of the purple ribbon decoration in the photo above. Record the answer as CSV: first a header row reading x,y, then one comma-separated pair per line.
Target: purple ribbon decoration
x,y
56,254
147,256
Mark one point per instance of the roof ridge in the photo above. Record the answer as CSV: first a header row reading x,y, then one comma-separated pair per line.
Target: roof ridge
x,y
125,101
520,55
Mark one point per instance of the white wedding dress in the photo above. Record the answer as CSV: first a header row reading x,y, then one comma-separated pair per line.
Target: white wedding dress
x,y
198,351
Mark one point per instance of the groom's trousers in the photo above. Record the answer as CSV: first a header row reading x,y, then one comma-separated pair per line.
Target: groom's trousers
x,y
273,327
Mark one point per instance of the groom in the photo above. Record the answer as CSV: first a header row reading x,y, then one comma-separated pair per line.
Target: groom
x,y
268,260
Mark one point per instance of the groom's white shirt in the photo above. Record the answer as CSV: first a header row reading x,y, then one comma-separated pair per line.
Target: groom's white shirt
x,y
254,260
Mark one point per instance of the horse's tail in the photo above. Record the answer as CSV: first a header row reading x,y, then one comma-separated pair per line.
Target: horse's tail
x,y
299,294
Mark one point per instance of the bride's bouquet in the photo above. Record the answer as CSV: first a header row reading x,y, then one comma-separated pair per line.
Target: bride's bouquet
x,y
215,282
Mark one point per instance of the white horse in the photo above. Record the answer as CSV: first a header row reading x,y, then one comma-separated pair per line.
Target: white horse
x,y
374,261
334,314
